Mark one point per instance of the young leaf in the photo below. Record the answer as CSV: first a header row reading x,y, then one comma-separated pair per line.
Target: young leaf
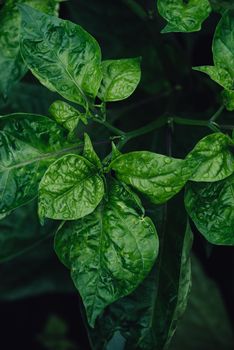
x,y
89,152
120,79
12,66
211,158
62,55
218,74
223,52
66,115
70,189
157,176
211,207
147,318
109,251
183,16
28,144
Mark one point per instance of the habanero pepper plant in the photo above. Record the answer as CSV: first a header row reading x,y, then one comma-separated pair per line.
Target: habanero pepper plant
x,y
113,211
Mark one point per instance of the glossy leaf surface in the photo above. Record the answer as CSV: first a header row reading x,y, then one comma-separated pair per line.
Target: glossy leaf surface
x,y
12,66
211,158
62,55
66,115
211,207
223,52
120,78
109,251
28,144
157,176
89,152
183,16
146,319
70,189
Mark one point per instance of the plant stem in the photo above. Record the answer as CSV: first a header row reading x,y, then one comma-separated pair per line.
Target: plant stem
x,y
216,115
136,8
110,127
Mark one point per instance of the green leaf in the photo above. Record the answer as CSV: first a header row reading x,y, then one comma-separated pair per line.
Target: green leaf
x,y
211,158
70,189
223,52
66,115
62,55
120,79
110,251
211,207
89,152
146,319
218,74
228,99
12,66
205,314
158,177
183,16
28,144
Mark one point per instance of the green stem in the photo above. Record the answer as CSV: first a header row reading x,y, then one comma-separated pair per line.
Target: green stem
x,y
110,127
216,115
136,8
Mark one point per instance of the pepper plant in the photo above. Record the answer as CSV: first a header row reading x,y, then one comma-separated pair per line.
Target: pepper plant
x,y
120,255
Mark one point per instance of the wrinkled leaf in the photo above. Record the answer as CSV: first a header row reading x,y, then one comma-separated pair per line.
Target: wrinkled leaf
x,y
62,55
70,189
158,177
211,158
110,251
28,144
146,319
228,99
66,115
120,78
12,66
183,16
89,152
211,207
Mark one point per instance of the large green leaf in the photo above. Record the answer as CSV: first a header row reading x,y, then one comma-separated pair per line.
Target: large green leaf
x,y
11,63
62,55
157,176
223,53
211,207
211,158
205,314
110,251
28,144
147,318
120,78
70,189
183,16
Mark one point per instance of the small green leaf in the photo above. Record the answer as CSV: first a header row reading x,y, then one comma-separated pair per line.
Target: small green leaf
x,y
228,99
211,158
66,115
70,189
218,74
12,66
109,251
89,152
183,16
211,207
157,176
63,56
120,79
29,143
223,52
